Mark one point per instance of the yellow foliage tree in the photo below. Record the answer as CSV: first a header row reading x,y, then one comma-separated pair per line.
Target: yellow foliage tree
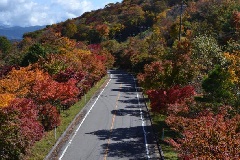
x,y
19,82
234,65
5,99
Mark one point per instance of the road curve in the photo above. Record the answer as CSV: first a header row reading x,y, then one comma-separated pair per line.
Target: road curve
x,y
115,126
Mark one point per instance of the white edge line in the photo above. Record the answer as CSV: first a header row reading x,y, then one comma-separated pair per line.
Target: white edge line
x,y
144,131
143,123
69,143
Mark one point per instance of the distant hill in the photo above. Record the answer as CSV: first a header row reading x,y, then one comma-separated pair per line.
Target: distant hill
x,y
16,33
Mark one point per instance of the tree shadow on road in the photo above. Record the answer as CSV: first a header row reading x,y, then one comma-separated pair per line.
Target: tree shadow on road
x,y
124,142
126,90
126,149
134,101
124,112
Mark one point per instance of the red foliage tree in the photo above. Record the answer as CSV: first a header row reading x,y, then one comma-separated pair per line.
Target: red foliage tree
x,y
28,114
55,93
207,136
19,128
156,75
64,76
236,20
171,100
96,70
49,116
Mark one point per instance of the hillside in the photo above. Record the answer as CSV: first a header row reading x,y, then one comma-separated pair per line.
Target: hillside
x,y
115,21
185,57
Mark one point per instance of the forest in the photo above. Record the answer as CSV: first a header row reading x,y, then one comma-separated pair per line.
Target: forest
x,y
185,55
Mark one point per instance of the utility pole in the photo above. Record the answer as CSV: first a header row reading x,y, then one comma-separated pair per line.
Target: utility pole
x,y
180,27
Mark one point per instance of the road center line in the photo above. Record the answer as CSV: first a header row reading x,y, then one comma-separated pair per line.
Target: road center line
x,y
112,125
69,143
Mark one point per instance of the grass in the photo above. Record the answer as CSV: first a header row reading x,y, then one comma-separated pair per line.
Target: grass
x,y
159,125
41,148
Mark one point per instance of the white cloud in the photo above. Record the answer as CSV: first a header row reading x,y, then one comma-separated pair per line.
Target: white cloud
x,y
72,8
3,4
32,12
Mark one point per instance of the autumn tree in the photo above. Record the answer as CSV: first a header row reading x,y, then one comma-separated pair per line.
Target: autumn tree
x,y
10,138
4,70
70,29
156,75
49,116
49,91
20,81
6,99
236,21
175,69
174,100
54,63
103,30
133,15
233,60
115,31
213,18
20,128
206,136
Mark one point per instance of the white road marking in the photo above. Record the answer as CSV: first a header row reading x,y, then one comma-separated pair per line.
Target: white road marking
x,y
143,122
69,143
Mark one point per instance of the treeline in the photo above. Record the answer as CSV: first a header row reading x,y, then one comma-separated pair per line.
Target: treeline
x,y
190,72
39,79
192,80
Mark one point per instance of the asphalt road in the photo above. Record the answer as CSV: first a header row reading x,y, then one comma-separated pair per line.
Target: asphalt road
x,y
116,125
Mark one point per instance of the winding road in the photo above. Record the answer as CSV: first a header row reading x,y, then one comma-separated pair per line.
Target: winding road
x,y
116,125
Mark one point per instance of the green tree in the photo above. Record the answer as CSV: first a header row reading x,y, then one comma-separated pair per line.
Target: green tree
x,y
133,15
218,87
70,29
35,52
5,46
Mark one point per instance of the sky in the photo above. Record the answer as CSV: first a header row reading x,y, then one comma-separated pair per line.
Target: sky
x,y
45,12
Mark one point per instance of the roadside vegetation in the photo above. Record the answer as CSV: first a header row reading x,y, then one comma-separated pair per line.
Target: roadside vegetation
x,y
41,148
186,59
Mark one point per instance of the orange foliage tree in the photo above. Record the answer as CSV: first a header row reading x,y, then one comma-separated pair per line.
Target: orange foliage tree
x,y
5,99
19,82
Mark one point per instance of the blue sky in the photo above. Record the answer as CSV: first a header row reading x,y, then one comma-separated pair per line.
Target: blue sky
x,y
45,12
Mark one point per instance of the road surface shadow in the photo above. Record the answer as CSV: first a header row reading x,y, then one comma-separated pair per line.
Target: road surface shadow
x,y
132,108
127,150
123,77
133,101
125,143
124,112
131,90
